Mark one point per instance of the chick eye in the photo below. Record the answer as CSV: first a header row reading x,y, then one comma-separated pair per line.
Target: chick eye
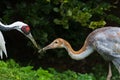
x,y
56,42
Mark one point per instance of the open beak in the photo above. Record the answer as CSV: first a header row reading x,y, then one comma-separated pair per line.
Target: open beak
x,y
33,40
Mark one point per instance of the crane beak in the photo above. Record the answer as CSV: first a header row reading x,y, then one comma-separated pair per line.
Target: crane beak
x,y
33,40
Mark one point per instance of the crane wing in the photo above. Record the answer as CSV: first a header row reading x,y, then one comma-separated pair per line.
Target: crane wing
x,y
2,46
106,41
107,46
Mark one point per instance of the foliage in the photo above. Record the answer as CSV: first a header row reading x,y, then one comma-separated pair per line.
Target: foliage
x,y
71,75
81,12
44,74
10,70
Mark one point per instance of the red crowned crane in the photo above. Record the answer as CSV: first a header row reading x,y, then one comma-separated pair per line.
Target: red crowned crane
x,y
19,26
106,41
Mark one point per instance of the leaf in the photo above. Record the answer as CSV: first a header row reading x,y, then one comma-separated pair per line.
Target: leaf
x,y
96,24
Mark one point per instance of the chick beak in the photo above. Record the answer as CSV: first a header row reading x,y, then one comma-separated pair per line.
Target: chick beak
x,y
45,48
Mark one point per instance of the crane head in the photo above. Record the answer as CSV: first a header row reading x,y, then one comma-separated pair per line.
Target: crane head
x,y
57,43
22,27
25,29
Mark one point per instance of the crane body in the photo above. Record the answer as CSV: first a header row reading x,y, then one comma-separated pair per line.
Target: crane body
x,y
106,41
2,46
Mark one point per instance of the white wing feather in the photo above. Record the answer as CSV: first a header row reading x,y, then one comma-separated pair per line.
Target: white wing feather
x,y
2,46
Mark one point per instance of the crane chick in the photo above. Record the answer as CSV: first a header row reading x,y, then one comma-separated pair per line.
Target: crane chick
x,y
106,41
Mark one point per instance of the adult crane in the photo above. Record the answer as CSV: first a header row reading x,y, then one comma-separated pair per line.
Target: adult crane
x,y
19,26
106,41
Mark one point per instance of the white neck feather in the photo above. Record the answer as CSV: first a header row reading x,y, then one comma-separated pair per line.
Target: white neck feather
x,y
81,55
17,23
11,25
4,25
